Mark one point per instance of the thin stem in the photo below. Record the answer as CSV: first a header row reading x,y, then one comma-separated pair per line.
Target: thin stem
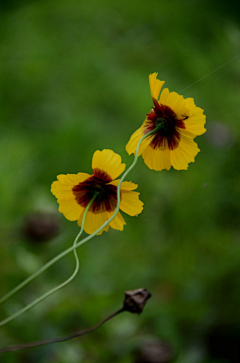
x,y
44,296
62,339
77,244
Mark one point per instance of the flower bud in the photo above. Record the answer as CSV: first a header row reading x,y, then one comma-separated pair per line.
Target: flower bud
x,y
135,300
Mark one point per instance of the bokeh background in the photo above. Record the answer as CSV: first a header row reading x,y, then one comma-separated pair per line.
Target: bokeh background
x,y
74,78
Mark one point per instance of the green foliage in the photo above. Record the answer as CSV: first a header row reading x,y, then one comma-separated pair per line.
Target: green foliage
x,y
74,78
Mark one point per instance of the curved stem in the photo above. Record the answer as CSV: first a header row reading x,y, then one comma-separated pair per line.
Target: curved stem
x,y
44,296
62,339
75,245
38,272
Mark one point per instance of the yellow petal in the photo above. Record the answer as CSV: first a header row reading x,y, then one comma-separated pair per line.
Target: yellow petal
x,y
157,159
175,101
196,120
164,96
125,185
130,202
178,105
180,158
62,188
94,221
145,144
73,179
190,103
118,222
108,161
185,107
134,140
70,209
62,191
186,132
195,124
155,85
189,147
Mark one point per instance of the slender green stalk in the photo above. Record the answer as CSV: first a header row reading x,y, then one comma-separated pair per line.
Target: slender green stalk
x,y
44,296
37,273
75,245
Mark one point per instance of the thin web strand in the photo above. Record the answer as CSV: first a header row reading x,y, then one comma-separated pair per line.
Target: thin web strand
x,y
209,74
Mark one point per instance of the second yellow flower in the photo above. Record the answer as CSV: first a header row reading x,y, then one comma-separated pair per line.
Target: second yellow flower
x,y
75,191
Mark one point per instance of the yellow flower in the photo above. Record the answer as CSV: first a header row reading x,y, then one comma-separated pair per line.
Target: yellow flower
x,y
181,121
74,192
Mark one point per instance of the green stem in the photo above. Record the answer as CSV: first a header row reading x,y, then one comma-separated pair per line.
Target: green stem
x,y
44,296
75,245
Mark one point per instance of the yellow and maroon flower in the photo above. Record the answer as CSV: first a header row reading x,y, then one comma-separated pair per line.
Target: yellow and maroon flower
x,y
181,121
75,191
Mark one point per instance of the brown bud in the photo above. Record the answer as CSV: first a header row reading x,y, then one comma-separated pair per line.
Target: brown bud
x,y
41,227
154,351
135,300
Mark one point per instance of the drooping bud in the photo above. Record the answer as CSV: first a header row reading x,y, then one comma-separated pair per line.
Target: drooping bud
x,y
40,227
135,300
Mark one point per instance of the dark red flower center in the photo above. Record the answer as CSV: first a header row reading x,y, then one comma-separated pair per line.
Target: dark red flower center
x,y
98,183
168,135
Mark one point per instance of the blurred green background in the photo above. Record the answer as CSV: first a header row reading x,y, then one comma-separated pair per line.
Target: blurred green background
x,y
74,79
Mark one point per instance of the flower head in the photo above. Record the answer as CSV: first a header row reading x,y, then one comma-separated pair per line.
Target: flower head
x,y
75,191
179,121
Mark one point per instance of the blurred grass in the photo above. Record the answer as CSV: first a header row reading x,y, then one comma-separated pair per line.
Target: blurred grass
x,y
74,78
